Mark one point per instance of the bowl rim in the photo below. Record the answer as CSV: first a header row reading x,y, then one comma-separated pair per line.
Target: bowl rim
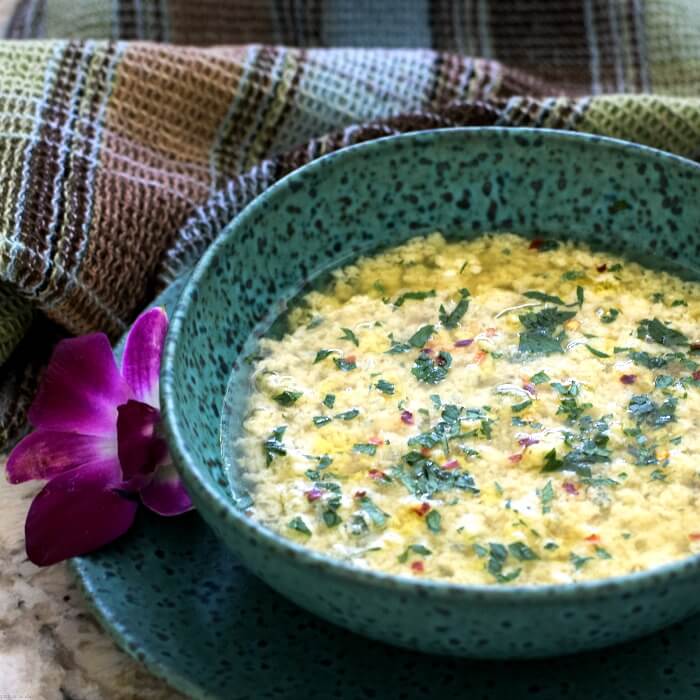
x,y
222,510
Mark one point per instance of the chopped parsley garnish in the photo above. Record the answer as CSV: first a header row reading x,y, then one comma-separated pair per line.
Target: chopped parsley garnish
x,y
385,387
423,478
679,302
273,446
349,335
358,526
518,407
654,330
287,398
602,553
331,518
546,497
421,336
663,381
299,525
578,561
455,316
415,549
321,420
434,521
322,355
344,365
396,347
597,353
329,400
540,336
551,463
522,552
414,295
315,322
324,462
431,370
658,475
657,297
498,556
579,295
615,268
546,298
348,415
569,405
570,275
646,410
539,378
365,448
610,315
376,514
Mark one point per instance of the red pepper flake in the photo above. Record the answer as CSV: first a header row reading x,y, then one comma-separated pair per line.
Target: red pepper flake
x,y
452,464
375,441
407,417
425,451
694,536
593,538
490,332
313,495
515,458
440,361
351,359
695,346
417,566
602,268
530,388
376,474
536,243
479,357
527,441
628,378
360,494
422,509
570,488
696,375
464,342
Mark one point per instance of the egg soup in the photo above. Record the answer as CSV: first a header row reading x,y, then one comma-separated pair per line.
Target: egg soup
x,y
497,410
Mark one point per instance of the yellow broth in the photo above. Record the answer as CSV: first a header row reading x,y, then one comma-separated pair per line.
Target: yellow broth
x,y
487,411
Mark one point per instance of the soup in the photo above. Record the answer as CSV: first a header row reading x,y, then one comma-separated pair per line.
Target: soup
x,y
497,410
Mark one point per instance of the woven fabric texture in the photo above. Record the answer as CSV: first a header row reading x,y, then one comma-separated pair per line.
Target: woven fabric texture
x,y
122,160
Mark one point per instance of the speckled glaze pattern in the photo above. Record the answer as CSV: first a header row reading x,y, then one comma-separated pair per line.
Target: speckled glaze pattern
x,y
620,197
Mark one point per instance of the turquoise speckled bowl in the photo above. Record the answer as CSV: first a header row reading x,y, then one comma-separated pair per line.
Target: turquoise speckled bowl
x,y
613,195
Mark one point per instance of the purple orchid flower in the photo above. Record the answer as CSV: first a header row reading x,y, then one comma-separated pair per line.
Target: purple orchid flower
x,y
97,443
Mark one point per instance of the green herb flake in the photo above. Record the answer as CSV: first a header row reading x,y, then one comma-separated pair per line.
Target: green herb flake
x,y
578,561
287,398
344,365
434,521
657,475
419,296
365,448
273,446
348,415
324,462
654,330
663,381
597,353
602,553
518,407
349,335
329,400
437,401
579,295
414,549
546,497
322,355
421,336
315,322
299,525
385,387
615,268
480,550
540,336
432,370
545,298
610,315
551,546
320,421
539,378
331,518
522,552
376,514
551,463
571,275
455,316
679,302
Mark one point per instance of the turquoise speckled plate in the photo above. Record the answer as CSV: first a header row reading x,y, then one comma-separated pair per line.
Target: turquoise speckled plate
x,y
172,596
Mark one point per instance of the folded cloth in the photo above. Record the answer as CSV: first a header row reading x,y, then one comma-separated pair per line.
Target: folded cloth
x,y
122,161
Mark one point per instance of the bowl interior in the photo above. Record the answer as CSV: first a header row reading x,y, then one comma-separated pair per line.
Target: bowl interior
x,y
620,197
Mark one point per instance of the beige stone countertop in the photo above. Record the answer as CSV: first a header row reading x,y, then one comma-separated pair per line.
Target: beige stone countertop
x,y
51,646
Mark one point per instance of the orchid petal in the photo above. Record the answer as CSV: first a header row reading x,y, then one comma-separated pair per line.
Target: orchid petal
x,y
45,453
139,448
77,512
142,353
166,494
81,388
